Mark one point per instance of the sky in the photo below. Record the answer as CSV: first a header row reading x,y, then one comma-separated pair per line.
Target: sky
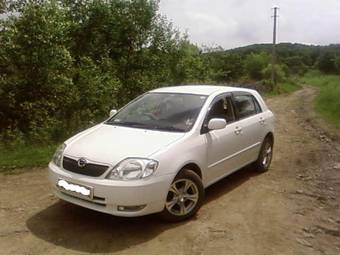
x,y
236,23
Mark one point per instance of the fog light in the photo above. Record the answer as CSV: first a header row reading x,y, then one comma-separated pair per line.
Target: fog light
x,y
133,208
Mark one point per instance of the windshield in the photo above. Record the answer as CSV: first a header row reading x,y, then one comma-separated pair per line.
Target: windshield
x,y
161,111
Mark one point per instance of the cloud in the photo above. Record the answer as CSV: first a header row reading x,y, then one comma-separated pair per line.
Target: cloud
x,y
233,23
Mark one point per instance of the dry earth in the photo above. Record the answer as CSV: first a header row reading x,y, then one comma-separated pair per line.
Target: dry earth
x,y
292,209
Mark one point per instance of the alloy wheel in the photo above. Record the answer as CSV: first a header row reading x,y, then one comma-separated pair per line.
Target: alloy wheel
x,y
182,197
267,154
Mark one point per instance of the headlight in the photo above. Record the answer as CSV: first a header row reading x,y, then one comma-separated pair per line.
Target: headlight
x,y
58,155
133,169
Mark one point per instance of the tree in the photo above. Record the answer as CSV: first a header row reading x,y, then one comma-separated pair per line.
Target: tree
x,y
337,63
65,63
189,66
3,6
36,81
280,74
326,62
255,63
295,64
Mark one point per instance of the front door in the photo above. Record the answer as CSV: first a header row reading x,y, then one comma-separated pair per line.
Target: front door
x,y
223,145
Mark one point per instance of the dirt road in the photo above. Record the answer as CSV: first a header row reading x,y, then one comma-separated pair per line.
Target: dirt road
x,y
292,209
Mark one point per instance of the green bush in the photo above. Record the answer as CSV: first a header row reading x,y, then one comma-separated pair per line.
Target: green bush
x,y
255,63
327,103
64,65
280,74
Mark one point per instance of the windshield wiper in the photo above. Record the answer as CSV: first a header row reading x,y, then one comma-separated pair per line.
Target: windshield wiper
x,y
170,128
128,124
145,126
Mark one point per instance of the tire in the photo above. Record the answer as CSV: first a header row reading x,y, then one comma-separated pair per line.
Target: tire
x,y
184,198
262,164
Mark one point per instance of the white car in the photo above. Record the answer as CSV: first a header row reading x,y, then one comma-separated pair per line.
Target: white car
x,y
159,152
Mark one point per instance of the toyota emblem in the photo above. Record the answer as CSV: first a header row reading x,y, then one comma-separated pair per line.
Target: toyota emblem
x,y
82,162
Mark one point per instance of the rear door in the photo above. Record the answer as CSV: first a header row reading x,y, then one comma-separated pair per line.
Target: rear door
x,y
250,124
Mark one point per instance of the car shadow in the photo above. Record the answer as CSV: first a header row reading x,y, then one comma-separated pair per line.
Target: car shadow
x,y
77,228
229,183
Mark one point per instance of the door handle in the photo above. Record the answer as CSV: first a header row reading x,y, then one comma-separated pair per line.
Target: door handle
x,y
261,120
238,130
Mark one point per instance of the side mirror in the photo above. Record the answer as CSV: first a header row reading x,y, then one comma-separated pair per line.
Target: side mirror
x,y
113,112
217,123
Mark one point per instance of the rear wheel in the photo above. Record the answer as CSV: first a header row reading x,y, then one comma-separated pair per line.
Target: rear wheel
x,y
185,197
262,164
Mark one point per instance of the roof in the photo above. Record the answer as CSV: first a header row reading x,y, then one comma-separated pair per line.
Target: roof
x,y
198,89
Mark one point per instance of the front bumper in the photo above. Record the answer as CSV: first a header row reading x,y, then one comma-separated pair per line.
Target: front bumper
x,y
108,195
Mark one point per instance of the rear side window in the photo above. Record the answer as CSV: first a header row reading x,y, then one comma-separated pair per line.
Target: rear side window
x,y
245,106
257,105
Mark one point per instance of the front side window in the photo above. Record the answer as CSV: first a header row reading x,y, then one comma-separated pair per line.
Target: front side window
x,y
161,111
222,108
245,106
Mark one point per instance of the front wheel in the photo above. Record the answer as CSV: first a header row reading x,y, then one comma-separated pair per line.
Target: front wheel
x,y
265,157
185,197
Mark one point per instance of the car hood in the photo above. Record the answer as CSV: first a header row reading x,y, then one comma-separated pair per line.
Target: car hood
x,y
111,144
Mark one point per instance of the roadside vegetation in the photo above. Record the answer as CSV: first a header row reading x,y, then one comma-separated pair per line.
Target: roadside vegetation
x,y
65,64
25,156
286,87
327,103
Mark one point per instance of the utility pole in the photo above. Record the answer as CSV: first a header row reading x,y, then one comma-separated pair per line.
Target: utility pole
x,y
274,47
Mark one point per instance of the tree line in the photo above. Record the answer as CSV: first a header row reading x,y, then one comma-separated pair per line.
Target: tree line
x,y
64,64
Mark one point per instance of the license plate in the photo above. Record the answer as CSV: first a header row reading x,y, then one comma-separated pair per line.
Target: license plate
x,y
75,189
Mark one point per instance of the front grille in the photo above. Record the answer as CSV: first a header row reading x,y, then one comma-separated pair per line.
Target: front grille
x,y
89,169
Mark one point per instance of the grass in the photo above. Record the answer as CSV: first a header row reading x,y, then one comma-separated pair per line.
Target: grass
x,y
24,156
285,88
327,103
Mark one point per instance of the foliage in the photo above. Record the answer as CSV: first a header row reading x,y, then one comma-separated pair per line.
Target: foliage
x,y
337,63
36,83
286,87
190,67
279,71
2,6
295,65
326,63
255,63
327,103
299,58
97,89
64,64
